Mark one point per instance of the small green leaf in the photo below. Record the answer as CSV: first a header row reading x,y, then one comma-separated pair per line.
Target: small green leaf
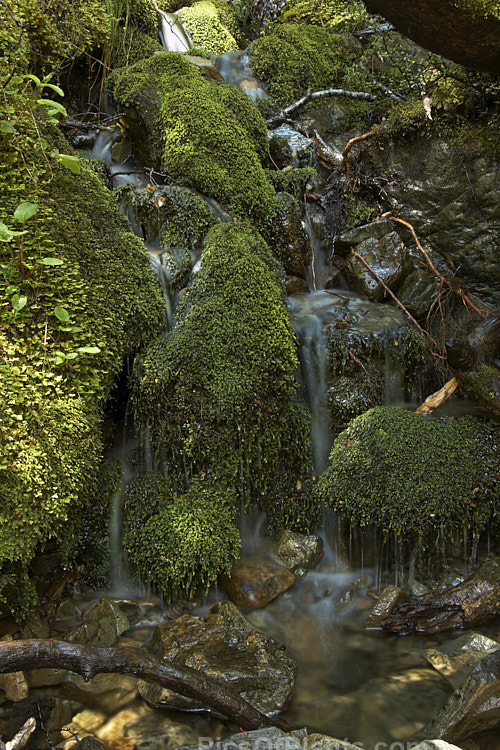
x,y
89,349
55,88
19,301
70,162
11,289
56,107
7,234
72,355
34,78
25,211
51,261
61,314
6,127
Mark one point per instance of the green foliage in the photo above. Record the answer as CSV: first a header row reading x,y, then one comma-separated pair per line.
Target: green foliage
x,y
205,134
413,475
358,211
334,14
206,28
18,594
296,57
292,181
180,542
216,390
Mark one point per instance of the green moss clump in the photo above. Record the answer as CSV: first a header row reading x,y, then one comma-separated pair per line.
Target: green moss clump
x,y
204,25
408,120
335,14
296,57
205,134
412,475
285,234
180,542
292,181
216,390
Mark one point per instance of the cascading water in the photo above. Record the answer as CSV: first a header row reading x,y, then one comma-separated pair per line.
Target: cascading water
x,y
173,36
235,69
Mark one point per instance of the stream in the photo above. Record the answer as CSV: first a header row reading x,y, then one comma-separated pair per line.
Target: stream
x,y
353,683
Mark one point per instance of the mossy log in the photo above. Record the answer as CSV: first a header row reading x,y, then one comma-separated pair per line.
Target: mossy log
x,y
88,661
471,602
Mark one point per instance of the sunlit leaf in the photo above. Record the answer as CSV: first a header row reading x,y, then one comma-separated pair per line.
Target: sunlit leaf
x,y
19,301
51,261
6,127
56,107
89,349
70,162
61,314
25,211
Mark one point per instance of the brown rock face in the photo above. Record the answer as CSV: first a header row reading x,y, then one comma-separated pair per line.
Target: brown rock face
x,y
256,581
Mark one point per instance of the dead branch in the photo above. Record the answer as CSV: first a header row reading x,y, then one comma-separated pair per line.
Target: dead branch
x,y
357,139
446,282
90,660
21,738
273,122
438,398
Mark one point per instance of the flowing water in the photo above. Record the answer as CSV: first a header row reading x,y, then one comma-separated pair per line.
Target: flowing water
x,y
364,685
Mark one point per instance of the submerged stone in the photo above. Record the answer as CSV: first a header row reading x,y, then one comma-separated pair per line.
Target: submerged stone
x,y
455,660
225,646
390,597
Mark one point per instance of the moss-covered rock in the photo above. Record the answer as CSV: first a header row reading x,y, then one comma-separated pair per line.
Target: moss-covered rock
x,y
205,134
296,57
206,28
414,476
180,542
217,389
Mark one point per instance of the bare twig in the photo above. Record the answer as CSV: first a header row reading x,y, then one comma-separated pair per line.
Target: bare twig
x,y
310,95
438,398
21,738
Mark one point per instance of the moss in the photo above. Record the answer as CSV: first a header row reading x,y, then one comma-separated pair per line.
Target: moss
x,y
358,211
206,135
334,14
203,23
85,283
408,120
291,181
216,390
132,45
484,386
296,57
180,542
412,475
284,232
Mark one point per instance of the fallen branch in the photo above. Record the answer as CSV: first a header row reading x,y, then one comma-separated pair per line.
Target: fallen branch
x,y
21,738
446,282
438,398
310,95
424,333
88,661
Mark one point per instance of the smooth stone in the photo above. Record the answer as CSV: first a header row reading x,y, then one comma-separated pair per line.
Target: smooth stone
x,y
256,581
13,684
297,552
387,257
102,623
114,728
225,646
456,659
391,596
165,733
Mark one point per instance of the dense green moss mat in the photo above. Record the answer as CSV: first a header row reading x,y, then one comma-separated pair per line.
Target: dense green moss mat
x,y
204,134
414,476
205,26
180,542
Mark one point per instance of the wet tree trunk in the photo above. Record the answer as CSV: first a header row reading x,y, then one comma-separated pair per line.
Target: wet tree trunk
x,y
468,39
468,604
16,656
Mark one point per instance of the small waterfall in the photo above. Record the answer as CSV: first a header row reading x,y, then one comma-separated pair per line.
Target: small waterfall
x,y
235,69
173,36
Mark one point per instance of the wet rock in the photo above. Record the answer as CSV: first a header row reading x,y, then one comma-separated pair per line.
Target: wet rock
x,y
107,692
288,146
297,552
419,589
390,597
285,234
295,285
64,616
164,732
256,581
102,623
121,149
13,684
456,659
387,257
36,626
324,742
474,707
271,738
224,645
115,728
375,230
418,291
354,590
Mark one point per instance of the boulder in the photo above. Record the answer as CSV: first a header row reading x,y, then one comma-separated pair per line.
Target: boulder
x,y
387,257
255,581
474,707
225,646
390,597
456,659
102,623
297,552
